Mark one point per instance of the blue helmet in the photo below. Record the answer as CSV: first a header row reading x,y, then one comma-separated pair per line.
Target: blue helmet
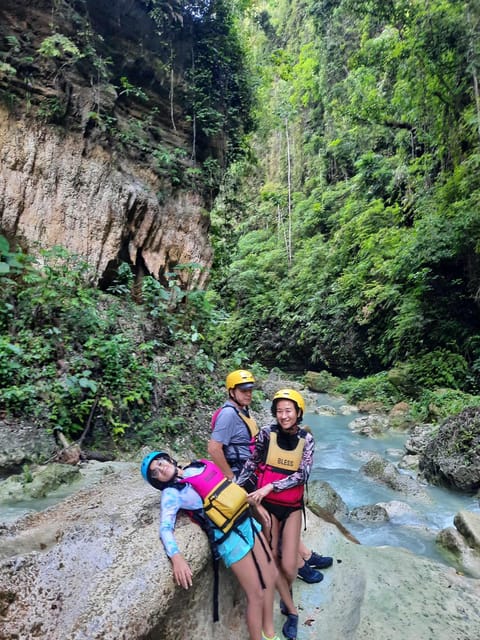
x,y
145,468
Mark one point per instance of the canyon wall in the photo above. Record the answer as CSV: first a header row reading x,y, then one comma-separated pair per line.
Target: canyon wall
x,y
98,149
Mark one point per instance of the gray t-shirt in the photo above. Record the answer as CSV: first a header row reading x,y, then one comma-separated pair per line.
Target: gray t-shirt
x,y
231,431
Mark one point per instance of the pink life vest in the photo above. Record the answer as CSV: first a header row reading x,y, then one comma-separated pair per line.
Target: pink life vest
x,y
224,501
279,464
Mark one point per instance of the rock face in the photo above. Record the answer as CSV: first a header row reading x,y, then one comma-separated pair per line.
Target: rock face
x,y
92,568
22,443
452,457
54,193
86,164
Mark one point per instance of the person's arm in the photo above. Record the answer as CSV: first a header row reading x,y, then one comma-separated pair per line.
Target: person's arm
x,y
171,504
257,457
216,453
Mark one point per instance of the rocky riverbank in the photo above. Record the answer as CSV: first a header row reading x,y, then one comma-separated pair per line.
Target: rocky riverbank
x,y
92,568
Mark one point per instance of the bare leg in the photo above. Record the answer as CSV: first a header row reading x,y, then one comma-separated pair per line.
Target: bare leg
x,y
303,554
259,600
284,583
290,545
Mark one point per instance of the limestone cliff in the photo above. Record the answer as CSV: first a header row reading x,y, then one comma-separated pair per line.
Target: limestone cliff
x,y
102,147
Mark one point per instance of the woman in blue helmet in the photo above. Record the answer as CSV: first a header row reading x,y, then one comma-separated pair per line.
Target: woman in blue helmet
x,y
243,548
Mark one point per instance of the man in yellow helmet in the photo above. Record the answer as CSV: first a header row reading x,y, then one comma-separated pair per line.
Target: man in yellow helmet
x,y
234,430
233,435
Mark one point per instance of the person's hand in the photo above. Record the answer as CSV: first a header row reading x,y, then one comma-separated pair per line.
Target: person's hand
x,y
181,571
262,516
257,496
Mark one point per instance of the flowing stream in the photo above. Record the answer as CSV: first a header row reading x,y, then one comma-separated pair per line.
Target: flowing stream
x,y
339,454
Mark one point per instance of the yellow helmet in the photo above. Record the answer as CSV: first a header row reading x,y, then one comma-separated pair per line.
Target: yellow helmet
x,y
240,378
289,394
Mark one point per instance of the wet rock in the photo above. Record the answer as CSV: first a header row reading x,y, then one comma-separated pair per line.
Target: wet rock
x,y
468,524
369,513
386,473
397,510
373,425
37,482
347,409
463,542
325,410
364,455
452,457
394,453
322,495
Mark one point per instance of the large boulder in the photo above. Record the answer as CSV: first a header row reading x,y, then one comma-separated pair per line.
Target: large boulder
x,y
321,496
374,425
463,542
321,381
452,457
94,568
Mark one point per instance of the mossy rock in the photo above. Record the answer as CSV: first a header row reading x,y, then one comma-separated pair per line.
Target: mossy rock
x,y
321,381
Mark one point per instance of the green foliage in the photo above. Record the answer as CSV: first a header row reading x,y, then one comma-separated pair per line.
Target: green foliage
x,y
218,82
59,46
380,187
7,69
375,388
52,109
439,368
27,474
123,283
129,89
435,406
74,358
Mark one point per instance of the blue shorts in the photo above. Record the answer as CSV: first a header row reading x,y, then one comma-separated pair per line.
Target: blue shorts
x,y
238,542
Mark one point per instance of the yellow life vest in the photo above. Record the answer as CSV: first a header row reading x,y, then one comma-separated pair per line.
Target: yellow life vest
x,y
282,459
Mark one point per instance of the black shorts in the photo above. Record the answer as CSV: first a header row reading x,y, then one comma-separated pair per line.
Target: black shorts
x,y
280,511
